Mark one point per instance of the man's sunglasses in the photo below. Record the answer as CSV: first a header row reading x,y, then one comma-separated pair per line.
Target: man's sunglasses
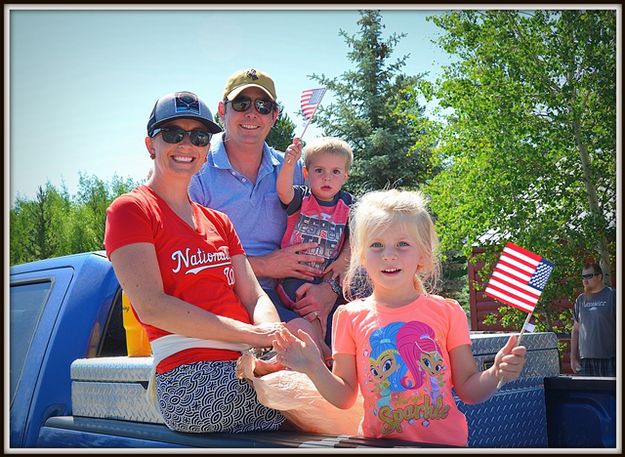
x,y
174,135
242,104
590,275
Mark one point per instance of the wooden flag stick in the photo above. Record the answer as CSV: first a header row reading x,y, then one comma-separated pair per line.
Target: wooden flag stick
x,y
527,321
518,343
306,126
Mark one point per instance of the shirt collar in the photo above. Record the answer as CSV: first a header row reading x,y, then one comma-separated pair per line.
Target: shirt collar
x,y
221,160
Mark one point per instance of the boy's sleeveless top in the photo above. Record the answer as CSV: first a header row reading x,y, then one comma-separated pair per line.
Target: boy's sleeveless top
x,y
313,220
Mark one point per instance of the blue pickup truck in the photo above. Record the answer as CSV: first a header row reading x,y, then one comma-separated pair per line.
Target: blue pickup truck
x,y
65,315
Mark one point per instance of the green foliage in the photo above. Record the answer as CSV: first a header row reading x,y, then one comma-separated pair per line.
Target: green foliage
x,y
376,111
530,149
38,227
454,282
55,224
282,133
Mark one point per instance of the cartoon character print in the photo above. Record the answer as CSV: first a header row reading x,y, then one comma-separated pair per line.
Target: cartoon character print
x,y
417,346
386,369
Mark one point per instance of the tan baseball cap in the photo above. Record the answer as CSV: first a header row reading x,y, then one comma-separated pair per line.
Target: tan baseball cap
x,y
251,77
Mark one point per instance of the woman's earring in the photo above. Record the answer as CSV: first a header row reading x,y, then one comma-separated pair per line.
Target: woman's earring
x,y
152,156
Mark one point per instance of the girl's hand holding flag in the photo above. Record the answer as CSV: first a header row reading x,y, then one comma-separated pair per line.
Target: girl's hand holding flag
x,y
510,360
518,280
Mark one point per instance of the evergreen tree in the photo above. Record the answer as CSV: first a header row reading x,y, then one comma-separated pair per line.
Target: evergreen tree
x,y
93,199
282,133
19,227
55,224
40,239
376,112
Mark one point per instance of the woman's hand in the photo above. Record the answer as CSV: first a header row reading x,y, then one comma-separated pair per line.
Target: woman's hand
x,y
576,365
264,334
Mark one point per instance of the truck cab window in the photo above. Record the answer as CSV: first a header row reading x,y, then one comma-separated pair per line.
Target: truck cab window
x,y
114,338
27,303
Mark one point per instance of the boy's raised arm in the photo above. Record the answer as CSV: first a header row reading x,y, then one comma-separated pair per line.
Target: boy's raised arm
x,y
284,182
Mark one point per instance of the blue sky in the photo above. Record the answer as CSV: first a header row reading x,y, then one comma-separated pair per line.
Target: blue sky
x,y
83,82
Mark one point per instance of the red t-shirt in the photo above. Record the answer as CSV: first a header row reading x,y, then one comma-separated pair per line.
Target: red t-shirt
x,y
195,265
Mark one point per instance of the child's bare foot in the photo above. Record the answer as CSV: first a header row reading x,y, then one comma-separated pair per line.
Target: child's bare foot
x,y
248,366
245,365
264,367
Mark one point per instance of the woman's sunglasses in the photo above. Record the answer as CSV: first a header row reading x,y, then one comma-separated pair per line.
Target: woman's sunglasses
x,y
242,104
174,135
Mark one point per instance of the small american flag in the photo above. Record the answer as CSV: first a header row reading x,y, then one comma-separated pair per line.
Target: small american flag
x,y
309,99
519,278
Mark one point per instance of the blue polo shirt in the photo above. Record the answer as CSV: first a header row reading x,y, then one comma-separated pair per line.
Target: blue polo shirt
x,y
254,208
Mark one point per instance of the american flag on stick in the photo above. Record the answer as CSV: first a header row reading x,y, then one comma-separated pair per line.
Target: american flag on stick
x,y
519,278
309,100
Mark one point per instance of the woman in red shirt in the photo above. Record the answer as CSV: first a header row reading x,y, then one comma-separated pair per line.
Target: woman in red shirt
x,y
184,269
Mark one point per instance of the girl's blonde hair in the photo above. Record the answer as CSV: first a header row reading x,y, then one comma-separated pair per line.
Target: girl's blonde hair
x,y
378,209
330,145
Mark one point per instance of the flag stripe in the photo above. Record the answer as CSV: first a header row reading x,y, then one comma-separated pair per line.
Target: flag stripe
x,y
522,252
508,300
519,286
505,269
516,268
523,262
530,300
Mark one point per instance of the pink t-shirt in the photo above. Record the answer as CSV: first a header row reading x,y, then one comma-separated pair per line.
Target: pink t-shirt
x,y
403,366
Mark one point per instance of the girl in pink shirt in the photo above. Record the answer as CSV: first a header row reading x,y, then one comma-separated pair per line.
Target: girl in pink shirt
x,y
403,347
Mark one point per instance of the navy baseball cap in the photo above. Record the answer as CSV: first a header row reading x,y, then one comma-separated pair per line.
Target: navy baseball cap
x,y
181,105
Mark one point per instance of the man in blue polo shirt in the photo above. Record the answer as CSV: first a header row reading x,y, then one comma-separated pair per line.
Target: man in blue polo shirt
x,y
239,179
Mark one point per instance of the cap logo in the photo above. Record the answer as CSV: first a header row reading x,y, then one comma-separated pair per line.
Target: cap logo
x,y
251,73
187,102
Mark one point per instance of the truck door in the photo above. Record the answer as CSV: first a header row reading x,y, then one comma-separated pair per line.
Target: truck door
x,y
35,300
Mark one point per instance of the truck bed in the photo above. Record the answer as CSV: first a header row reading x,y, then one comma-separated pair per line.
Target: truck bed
x,y
109,433
113,389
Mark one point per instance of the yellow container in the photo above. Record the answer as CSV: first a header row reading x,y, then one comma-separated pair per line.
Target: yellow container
x,y
137,343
